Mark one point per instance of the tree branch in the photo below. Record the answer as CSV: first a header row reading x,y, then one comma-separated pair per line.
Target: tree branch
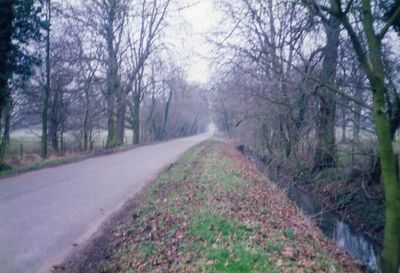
x,y
389,23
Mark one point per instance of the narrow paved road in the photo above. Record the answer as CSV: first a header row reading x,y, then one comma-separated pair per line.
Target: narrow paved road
x,y
43,213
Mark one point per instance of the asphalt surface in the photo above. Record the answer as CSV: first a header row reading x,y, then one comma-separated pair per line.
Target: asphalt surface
x,y
44,214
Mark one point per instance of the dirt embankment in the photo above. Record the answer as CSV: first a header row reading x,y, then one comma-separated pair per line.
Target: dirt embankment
x,y
211,212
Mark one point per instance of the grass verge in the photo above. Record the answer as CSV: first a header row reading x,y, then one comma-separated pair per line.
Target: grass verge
x,y
49,163
214,212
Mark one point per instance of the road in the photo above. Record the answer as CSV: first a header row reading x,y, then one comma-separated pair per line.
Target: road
x,y
44,213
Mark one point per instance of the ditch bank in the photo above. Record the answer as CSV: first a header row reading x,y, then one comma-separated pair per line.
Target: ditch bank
x,y
342,210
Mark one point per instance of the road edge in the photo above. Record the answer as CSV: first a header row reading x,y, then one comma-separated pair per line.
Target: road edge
x,y
94,246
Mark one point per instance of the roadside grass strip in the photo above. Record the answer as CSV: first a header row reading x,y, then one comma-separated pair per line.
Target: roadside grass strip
x,y
214,212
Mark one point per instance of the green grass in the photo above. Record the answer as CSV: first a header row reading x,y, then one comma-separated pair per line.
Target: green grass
x,y
148,249
289,233
190,221
227,245
211,228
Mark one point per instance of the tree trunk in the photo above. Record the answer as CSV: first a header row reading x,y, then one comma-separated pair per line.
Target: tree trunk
x,y
53,132
54,121
86,120
136,119
121,112
113,81
357,113
2,142
62,144
111,126
392,189
195,128
166,114
370,58
356,124
111,104
344,124
151,121
391,244
46,98
5,118
376,76
325,154
6,15
7,122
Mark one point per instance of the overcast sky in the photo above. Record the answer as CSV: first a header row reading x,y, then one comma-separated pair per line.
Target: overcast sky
x,y
198,20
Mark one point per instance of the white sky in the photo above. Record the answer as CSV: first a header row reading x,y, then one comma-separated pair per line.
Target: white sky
x,y
199,19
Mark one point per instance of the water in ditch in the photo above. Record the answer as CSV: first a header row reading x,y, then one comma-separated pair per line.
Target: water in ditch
x,y
332,225
345,236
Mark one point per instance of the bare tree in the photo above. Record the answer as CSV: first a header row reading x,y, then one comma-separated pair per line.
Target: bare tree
x,y
367,43
142,44
46,96
325,154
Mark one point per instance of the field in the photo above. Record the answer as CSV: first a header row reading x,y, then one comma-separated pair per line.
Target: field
x,y
24,148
